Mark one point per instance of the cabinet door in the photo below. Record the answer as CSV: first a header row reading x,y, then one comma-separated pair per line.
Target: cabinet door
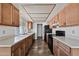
x,y
26,45
50,23
19,49
15,19
6,13
29,24
72,14
55,47
16,52
22,48
62,18
62,52
0,13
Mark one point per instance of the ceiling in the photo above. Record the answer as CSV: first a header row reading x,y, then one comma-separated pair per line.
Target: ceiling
x,y
38,12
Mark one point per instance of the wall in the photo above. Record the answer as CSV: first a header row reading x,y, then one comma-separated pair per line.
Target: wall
x,y
23,25
70,31
35,28
8,31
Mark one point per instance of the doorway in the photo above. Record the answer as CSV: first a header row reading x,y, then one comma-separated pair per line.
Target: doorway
x,y
39,31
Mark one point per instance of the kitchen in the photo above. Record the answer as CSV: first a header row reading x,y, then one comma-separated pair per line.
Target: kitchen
x,y
22,29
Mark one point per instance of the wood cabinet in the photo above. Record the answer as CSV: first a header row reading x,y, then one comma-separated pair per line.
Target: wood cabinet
x,y
60,49
0,14
6,14
21,48
9,15
55,19
72,14
62,52
50,23
15,49
15,16
64,49
55,47
53,22
29,24
62,18
26,45
68,16
16,52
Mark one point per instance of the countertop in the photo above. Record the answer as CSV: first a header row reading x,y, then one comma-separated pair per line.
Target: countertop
x,y
13,40
71,42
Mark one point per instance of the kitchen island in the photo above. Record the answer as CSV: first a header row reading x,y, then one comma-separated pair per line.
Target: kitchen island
x,y
65,46
16,46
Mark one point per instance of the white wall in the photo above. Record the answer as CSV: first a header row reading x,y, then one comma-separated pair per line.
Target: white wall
x,y
8,31
70,31
35,28
23,25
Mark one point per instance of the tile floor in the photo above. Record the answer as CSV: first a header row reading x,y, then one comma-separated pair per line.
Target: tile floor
x,y
39,48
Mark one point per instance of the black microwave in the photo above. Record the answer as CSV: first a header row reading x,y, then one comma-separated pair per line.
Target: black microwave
x,y
60,33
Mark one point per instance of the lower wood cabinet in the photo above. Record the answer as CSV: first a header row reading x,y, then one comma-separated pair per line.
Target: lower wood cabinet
x,y
16,52
62,52
55,47
61,49
22,47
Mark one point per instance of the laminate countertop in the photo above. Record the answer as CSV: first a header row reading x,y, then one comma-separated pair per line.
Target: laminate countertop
x,y
71,42
13,40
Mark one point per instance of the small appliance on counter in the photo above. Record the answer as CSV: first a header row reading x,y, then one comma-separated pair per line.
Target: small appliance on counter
x,y
60,33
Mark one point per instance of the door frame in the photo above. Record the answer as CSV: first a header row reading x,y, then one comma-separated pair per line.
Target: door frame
x,y
41,30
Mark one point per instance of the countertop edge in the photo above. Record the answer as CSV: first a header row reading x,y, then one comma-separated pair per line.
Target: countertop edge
x,y
2,46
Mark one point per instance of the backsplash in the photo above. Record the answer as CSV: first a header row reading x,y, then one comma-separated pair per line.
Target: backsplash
x,y
8,30
69,31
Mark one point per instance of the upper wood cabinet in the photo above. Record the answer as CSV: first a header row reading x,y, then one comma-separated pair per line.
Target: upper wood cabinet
x,y
72,14
55,19
9,14
6,13
15,16
53,22
29,24
0,14
50,23
62,18
68,16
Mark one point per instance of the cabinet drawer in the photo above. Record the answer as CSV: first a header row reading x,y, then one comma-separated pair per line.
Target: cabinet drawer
x,y
65,47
